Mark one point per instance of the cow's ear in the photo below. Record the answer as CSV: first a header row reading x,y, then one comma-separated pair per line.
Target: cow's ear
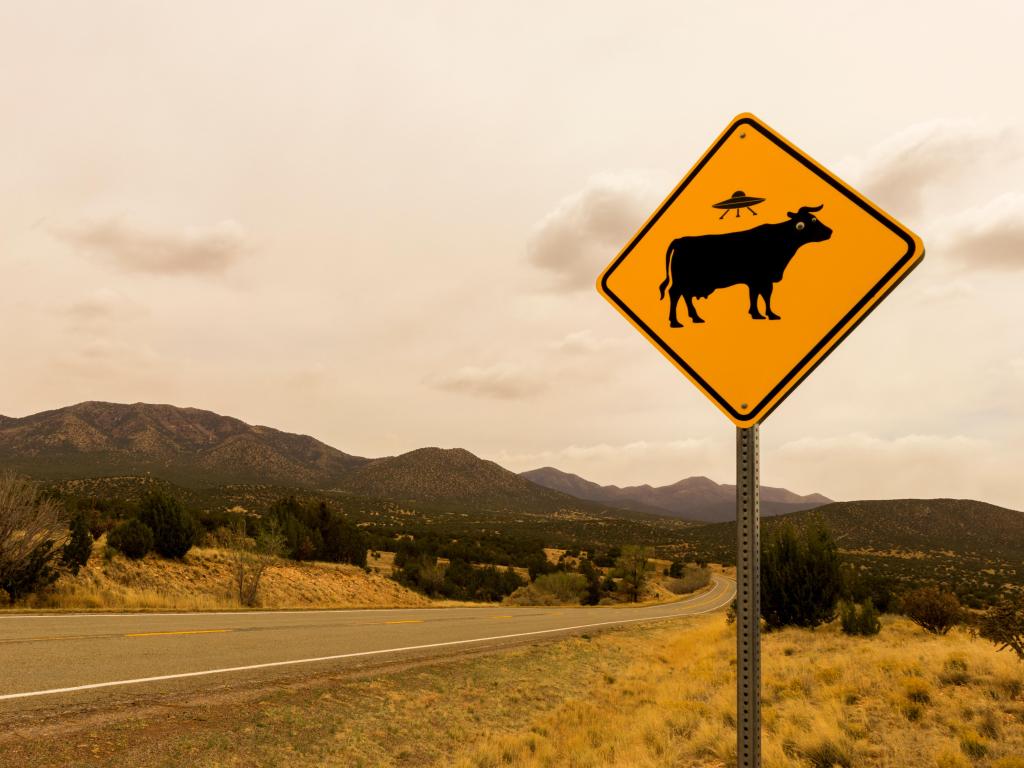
x,y
791,215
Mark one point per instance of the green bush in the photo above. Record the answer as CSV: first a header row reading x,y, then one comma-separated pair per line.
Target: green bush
x,y
932,609
132,538
174,529
801,580
77,550
32,574
1003,623
859,619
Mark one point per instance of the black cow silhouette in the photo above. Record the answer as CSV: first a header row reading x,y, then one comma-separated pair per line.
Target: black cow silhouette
x,y
697,266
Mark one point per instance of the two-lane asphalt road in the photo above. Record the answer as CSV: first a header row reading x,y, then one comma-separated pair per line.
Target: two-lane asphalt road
x,y
63,654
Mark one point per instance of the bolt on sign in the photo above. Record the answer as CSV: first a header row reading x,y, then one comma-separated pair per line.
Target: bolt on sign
x,y
755,267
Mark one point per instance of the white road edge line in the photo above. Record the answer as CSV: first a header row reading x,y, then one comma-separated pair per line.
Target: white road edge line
x,y
267,665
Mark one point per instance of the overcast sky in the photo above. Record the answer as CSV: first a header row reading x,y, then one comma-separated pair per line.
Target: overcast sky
x,y
380,224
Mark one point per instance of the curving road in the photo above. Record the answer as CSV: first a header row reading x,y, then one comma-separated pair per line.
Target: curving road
x,y
61,655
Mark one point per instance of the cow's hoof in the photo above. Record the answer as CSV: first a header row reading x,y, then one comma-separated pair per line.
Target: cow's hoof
x,y
774,317
674,324
697,319
756,317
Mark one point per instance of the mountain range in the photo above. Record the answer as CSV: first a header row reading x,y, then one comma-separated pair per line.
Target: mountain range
x,y
692,498
195,449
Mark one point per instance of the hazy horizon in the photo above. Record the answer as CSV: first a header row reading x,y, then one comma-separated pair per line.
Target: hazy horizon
x,y
381,226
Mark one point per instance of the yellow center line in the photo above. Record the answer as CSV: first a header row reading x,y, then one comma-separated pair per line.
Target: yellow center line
x,y
405,621
501,617
183,632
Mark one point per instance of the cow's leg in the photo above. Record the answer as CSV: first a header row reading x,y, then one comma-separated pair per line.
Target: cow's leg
x,y
691,311
673,299
754,293
767,294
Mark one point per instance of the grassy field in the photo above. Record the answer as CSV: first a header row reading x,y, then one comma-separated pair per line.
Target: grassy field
x,y
658,695
204,579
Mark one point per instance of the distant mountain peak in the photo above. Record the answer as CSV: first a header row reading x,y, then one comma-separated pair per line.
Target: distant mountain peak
x,y
697,498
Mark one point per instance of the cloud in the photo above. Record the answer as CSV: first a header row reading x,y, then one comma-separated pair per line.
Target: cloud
x,y
587,229
861,466
133,247
989,236
103,305
582,342
899,171
501,381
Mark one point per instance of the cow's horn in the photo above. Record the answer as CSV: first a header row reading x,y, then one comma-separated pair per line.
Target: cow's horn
x,y
809,209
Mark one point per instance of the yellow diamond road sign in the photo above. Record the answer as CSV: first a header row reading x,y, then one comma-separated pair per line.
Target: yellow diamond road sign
x,y
755,267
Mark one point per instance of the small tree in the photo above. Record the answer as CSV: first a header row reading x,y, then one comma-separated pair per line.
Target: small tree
x,y
132,538
932,609
32,535
800,577
252,557
174,529
593,577
675,569
1003,624
78,549
859,619
633,566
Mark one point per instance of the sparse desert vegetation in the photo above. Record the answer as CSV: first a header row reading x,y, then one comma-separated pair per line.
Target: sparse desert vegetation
x,y
637,697
206,579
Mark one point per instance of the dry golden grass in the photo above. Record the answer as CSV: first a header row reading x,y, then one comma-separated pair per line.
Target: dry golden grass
x,y
901,699
203,581
656,695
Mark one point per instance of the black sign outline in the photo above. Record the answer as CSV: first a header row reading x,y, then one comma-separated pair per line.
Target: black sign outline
x,y
873,297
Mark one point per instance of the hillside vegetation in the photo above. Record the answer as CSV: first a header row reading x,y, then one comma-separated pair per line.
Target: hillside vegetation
x,y
204,580
971,546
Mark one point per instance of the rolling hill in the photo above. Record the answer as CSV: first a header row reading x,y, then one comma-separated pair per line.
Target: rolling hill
x,y
187,446
694,498
966,545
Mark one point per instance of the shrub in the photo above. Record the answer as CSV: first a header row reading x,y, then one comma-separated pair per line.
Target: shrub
x,y
859,619
829,754
973,745
1003,624
932,609
78,549
132,538
801,580
33,531
690,580
552,589
174,529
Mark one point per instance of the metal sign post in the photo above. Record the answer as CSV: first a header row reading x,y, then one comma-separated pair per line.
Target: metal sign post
x,y
748,598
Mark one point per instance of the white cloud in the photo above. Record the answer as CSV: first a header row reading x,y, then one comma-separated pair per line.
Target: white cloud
x,y
501,380
587,229
583,342
134,247
899,172
990,236
104,305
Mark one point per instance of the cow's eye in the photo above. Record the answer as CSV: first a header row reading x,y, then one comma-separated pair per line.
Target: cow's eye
x,y
813,219
799,225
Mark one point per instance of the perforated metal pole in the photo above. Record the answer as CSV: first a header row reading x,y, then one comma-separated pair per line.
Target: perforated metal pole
x,y
748,598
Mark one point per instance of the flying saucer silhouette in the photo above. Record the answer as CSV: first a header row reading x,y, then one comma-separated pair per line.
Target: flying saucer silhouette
x,y
738,201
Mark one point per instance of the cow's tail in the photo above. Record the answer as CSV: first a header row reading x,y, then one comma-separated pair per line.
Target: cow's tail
x,y
668,268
